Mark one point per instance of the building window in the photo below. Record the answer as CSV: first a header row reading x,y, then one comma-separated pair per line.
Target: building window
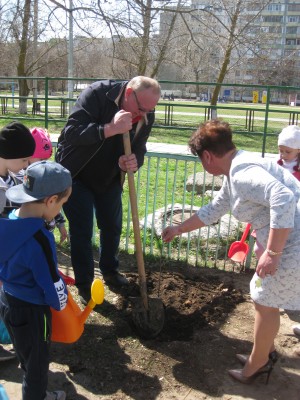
x,y
292,30
290,42
293,18
275,29
274,7
273,18
294,7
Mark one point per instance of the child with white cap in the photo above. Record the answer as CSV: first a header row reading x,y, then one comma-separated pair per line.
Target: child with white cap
x,y
289,150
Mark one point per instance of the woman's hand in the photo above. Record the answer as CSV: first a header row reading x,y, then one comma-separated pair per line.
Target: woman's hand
x,y
169,233
190,224
267,265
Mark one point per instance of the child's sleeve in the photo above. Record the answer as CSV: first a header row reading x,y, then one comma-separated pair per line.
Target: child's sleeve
x,y
46,272
59,220
2,199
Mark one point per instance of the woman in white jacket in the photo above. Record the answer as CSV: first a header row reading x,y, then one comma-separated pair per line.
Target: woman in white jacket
x,y
258,191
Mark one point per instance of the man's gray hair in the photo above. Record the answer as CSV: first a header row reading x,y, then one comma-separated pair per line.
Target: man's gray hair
x,y
139,83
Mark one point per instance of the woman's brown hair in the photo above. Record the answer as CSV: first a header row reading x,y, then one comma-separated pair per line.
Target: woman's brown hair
x,y
215,136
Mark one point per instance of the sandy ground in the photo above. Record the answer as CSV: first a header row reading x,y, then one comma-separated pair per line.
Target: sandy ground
x,y
110,362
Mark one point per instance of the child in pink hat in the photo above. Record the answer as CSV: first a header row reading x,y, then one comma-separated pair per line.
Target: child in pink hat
x,y
43,151
43,145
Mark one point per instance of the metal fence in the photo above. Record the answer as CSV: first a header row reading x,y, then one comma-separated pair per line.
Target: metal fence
x,y
168,192
162,181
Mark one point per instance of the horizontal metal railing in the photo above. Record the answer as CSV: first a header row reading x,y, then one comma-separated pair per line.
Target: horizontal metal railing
x,y
262,115
262,125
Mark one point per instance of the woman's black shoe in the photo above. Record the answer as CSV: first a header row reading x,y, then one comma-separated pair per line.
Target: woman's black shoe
x,y
237,374
243,358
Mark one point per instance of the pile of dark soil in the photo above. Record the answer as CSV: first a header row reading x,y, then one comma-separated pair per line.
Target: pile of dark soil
x,y
192,301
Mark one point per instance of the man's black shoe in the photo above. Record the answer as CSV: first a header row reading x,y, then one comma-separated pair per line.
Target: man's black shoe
x,y
84,295
115,279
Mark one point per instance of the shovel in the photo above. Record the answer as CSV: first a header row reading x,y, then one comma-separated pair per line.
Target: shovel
x,y
239,249
148,314
68,279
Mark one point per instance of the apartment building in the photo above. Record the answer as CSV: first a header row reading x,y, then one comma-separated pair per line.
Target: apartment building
x,y
279,46
268,50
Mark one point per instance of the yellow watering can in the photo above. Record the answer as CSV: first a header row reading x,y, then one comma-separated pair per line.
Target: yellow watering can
x,y
68,324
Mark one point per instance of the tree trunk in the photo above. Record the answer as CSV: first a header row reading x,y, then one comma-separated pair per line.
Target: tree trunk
x,y
143,57
228,51
21,68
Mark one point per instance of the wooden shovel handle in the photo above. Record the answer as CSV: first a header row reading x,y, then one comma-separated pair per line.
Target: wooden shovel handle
x,y
136,225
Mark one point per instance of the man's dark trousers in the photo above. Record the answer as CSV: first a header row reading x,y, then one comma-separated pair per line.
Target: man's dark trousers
x,y
82,206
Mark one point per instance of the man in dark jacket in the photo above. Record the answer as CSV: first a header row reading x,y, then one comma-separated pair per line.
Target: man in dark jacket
x,y
91,147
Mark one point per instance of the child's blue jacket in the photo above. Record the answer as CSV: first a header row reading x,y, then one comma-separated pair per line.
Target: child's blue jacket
x,y
24,270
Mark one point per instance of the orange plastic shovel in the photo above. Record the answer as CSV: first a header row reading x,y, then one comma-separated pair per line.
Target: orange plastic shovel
x,y
239,249
68,279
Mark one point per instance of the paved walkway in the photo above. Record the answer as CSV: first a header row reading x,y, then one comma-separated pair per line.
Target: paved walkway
x,y
155,147
166,148
184,150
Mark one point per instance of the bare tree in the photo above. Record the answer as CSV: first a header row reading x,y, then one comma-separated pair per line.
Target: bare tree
x,y
220,37
19,38
131,37
136,47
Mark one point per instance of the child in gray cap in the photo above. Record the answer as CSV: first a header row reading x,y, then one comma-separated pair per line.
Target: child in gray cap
x,y
29,272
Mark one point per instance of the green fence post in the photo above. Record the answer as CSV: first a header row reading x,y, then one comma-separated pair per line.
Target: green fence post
x,y
46,102
266,122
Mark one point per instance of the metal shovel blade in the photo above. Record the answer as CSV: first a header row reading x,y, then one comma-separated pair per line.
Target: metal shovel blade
x,y
148,323
238,251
